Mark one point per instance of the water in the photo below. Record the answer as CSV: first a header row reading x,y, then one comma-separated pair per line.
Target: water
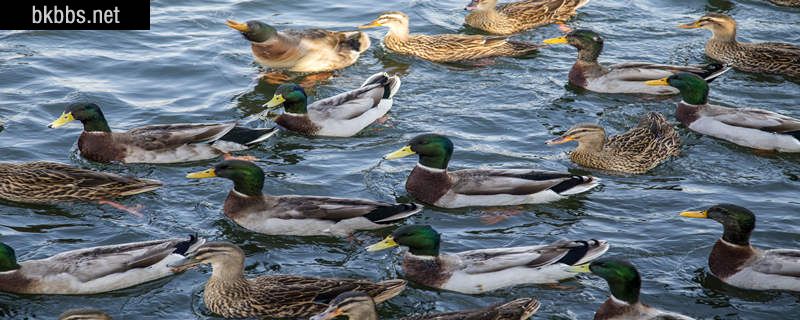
x,y
191,68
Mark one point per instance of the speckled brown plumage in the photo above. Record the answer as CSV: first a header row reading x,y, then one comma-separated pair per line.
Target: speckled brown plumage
x,y
520,309
513,17
727,259
428,271
299,123
49,182
788,3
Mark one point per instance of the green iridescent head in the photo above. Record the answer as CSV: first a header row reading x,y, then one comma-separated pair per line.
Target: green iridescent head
x,y
623,280
693,88
8,259
89,114
247,177
291,96
434,150
421,240
738,222
253,30
588,43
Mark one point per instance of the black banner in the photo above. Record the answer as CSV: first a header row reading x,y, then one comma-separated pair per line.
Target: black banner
x,y
76,15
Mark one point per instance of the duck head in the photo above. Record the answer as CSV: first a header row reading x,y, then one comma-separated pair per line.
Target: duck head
x,y
693,88
89,114
253,30
396,21
479,5
421,240
353,304
8,259
722,26
247,177
291,96
225,258
434,150
588,43
588,136
738,222
622,277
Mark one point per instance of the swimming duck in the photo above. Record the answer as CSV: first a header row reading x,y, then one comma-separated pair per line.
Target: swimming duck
x,y
445,47
484,270
763,57
94,270
734,261
295,214
311,50
431,182
626,77
84,314
168,143
624,283
357,305
513,17
753,128
638,150
343,115
229,294
788,3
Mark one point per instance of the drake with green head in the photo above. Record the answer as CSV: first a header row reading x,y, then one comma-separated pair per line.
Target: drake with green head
x,y
512,17
734,261
484,270
311,50
748,127
298,215
357,305
431,182
169,143
94,270
763,57
343,115
624,283
626,77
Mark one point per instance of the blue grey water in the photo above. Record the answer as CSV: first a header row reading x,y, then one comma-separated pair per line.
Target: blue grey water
x,y
191,68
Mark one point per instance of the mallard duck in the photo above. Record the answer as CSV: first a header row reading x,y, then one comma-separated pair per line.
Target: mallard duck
x,y
431,182
84,314
357,305
788,3
94,270
229,294
484,270
445,47
311,50
638,150
624,283
626,77
734,261
764,57
753,128
343,115
169,143
295,214
513,17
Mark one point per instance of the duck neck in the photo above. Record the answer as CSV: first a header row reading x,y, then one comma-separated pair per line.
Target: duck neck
x,y
590,52
298,107
249,185
727,35
435,162
97,123
625,291
589,145
398,33
230,271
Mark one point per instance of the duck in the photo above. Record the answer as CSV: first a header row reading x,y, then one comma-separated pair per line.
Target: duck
x,y
626,77
736,262
513,17
43,182
652,141
764,57
84,314
308,51
96,269
484,270
229,294
430,182
298,215
446,47
748,127
157,144
624,282
343,115
787,3
356,305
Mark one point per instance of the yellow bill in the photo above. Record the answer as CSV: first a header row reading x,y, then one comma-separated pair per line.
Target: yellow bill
x,y
581,268
241,27
402,153
65,118
276,101
559,40
383,245
659,82
695,214
560,140
693,25
373,24
210,173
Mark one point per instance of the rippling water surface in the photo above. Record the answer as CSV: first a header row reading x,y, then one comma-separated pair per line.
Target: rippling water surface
x,y
191,68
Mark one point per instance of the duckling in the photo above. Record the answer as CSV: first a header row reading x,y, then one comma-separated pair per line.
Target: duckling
x,y
343,115
94,270
84,314
734,261
295,214
169,143
229,294
638,150
357,305
311,50
764,57
445,47
624,283
431,182
484,270
626,77
513,17
747,127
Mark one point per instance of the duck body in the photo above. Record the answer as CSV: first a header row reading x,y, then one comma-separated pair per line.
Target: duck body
x,y
518,16
788,3
51,183
747,267
615,309
98,269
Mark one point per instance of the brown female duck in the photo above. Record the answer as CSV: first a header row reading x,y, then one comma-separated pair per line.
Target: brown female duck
x,y
518,16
